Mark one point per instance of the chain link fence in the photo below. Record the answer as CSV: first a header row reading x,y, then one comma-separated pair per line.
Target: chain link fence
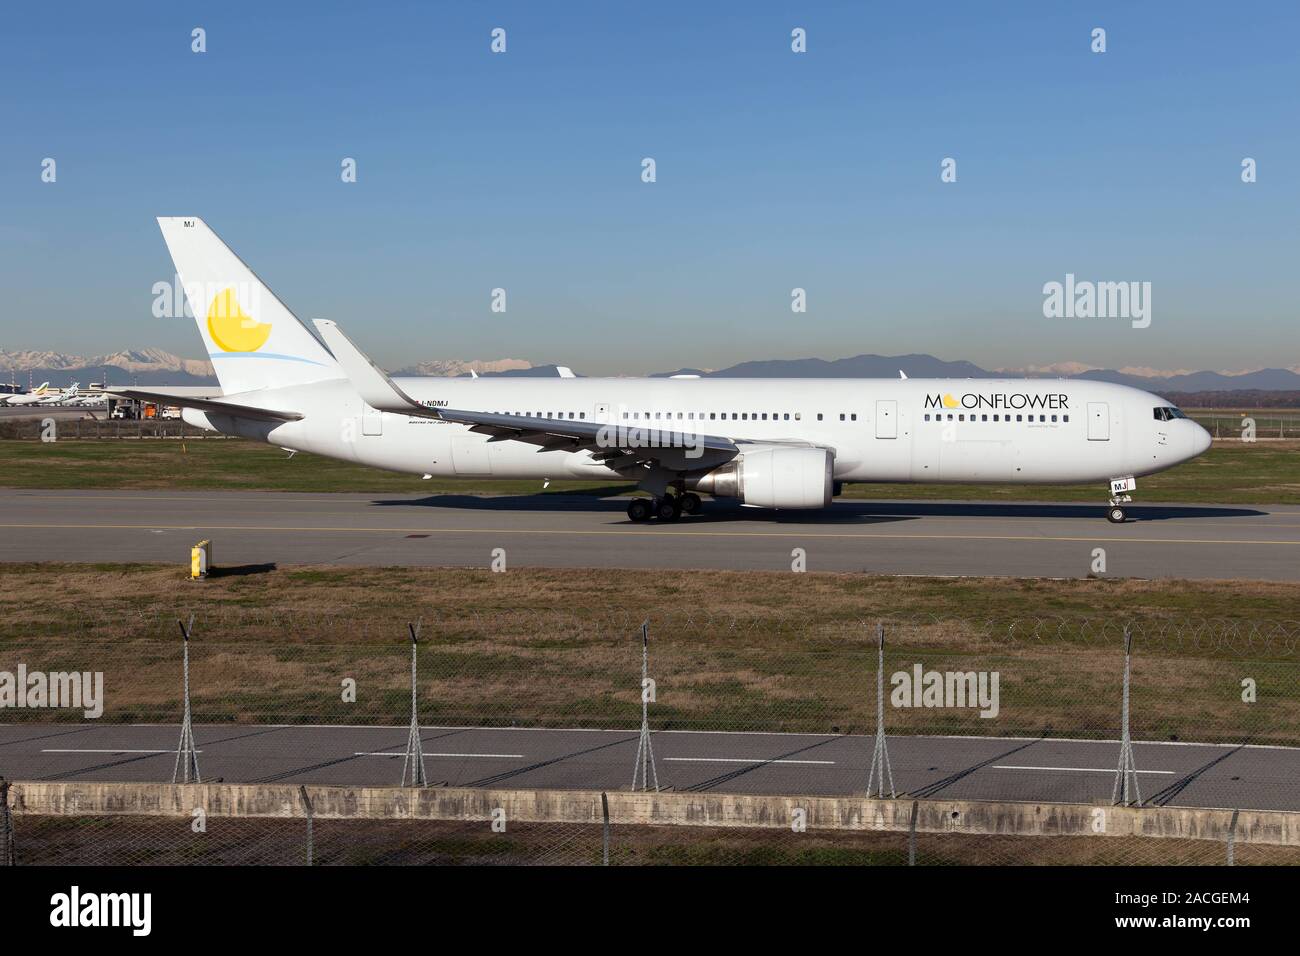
x,y
611,833
98,426
1026,709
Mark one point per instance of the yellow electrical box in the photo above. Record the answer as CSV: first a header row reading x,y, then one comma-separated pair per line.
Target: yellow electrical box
x,y
200,560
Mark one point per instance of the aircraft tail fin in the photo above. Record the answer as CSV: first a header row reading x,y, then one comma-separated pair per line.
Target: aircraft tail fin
x,y
252,338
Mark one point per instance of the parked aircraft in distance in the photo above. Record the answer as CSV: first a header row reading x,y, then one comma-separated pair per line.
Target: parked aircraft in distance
x,y
772,443
45,395
27,398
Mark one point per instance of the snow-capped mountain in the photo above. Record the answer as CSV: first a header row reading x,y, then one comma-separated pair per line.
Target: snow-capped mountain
x,y
133,360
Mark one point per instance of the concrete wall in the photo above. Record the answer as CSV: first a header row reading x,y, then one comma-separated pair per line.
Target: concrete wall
x,y
1275,828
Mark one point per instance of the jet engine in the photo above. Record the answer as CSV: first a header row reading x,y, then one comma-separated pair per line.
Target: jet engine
x,y
773,478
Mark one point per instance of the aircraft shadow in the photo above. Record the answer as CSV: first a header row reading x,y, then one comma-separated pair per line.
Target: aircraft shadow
x,y
1047,509
714,511
842,511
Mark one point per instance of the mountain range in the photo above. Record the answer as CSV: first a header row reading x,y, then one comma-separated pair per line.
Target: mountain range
x,y
927,366
155,367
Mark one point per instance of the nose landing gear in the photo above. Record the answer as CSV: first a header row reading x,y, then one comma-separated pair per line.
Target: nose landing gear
x,y
1119,496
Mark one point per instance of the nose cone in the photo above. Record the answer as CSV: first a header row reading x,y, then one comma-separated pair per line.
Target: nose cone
x,y
1200,439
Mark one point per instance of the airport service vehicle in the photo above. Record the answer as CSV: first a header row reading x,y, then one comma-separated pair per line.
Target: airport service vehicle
x,y
769,443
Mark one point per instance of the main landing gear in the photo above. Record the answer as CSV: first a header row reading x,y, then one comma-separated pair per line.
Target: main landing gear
x,y
666,508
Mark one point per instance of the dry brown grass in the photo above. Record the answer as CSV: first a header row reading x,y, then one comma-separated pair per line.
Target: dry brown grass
x,y
730,650
363,604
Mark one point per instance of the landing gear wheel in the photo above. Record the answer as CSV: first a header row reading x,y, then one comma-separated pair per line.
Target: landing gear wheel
x,y
668,508
691,503
639,509
1115,515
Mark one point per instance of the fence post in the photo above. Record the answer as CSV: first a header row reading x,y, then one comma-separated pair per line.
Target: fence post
x,y
414,749
880,756
1126,772
306,803
187,758
645,755
604,836
7,854
911,835
1232,839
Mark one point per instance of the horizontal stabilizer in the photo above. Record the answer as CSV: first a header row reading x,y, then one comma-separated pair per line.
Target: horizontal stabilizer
x,y
371,382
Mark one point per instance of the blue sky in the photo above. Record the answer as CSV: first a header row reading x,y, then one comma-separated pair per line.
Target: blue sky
x,y
775,171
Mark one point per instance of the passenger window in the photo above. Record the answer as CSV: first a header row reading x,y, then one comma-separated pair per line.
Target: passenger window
x,y
1065,418
984,418
853,417
819,416
841,416
927,416
1020,418
1053,418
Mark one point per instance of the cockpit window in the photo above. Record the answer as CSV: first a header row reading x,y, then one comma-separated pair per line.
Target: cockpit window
x,y
1167,413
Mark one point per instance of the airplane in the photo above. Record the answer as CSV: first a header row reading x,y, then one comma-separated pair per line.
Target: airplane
x,y
767,443
86,401
62,397
26,397
33,397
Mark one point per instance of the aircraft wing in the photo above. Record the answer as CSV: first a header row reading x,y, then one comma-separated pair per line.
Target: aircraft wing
x,y
618,446
572,434
214,402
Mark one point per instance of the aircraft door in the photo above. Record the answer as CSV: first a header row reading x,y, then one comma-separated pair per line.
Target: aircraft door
x,y
469,454
372,422
886,418
1098,421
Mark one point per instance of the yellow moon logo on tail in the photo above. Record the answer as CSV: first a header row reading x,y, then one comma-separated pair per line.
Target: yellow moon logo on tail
x,y
950,402
232,328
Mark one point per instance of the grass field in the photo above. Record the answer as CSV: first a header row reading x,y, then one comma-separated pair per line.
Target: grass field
x,y
38,599
1231,472
730,650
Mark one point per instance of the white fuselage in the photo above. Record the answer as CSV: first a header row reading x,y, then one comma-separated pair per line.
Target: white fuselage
x,y
880,430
